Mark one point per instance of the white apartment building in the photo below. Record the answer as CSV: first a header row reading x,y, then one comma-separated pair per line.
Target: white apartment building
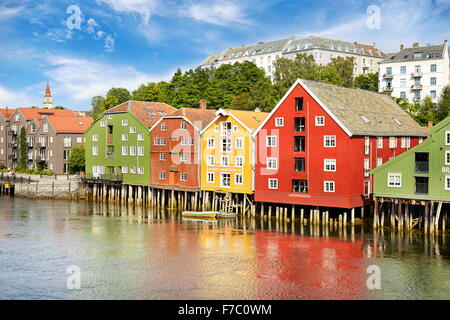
x,y
264,54
417,72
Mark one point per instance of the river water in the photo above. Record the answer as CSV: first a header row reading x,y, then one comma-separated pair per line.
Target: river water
x,y
122,255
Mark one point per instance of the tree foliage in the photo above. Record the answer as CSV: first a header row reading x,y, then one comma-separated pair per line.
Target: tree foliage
x,y
22,165
367,81
77,160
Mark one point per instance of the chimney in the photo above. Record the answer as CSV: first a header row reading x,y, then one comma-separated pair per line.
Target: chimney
x,y
202,104
402,47
430,125
374,44
415,45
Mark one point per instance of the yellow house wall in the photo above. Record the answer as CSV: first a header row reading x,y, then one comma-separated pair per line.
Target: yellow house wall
x,y
246,152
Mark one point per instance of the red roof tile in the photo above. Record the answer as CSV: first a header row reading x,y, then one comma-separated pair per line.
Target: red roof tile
x,y
147,112
70,124
10,113
38,114
199,117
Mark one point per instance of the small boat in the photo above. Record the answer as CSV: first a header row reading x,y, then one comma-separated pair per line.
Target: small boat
x,y
226,215
200,214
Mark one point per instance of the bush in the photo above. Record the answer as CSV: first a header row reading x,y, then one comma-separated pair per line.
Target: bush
x,y
47,173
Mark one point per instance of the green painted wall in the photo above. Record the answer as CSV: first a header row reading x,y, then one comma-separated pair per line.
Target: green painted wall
x,y
116,160
405,164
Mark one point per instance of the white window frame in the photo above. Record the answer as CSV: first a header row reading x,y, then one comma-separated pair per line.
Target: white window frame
x,y
329,186
446,179
103,124
133,129
183,157
379,142
221,181
124,150
392,142
140,151
447,138
210,175
279,122
95,137
140,170
446,156
239,142
140,137
271,141
329,139
228,145
210,160
162,156
222,162
132,150
272,184
183,176
210,143
183,125
163,126
272,164
133,170
124,136
95,150
124,122
379,161
239,161
394,175
328,164
162,175
320,121
236,175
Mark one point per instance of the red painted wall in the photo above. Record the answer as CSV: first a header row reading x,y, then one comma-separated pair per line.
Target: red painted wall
x,y
172,149
349,154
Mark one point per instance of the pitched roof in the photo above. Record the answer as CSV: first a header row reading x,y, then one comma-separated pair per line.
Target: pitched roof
x,y
199,117
251,119
364,112
70,124
47,91
422,53
256,49
214,58
38,113
10,113
370,50
147,112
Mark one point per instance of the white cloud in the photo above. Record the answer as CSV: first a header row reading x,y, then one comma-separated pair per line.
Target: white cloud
x,y
109,43
9,12
14,99
91,25
222,13
144,8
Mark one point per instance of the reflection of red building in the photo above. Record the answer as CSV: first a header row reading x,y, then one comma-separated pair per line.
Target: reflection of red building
x,y
309,268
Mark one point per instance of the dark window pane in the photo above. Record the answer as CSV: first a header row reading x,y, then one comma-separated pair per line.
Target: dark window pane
x,y
298,104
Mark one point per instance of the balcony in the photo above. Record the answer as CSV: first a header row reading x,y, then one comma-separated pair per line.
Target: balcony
x,y
388,76
388,89
417,74
173,169
416,87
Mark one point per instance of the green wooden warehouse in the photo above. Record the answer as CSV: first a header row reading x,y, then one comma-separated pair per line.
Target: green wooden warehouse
x,y
118,142
412,190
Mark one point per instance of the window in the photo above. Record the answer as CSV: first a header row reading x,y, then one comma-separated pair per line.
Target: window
x,y
124,137
183,177
79,139
95,137
133,129
210,177
140,137
403,83
406,142
162,141
162,156
210,160
394,180
110,117
392,142
140,150
225,161
433,94
163,126
103,123
162,175
328,186
183,125
417,95
299,164
239,161
124,170
379,161
187,141
433,68
329,165
238,178
299,124
271,141
272,163
67,142
279,122
133,170
239,142
447,183
420,140
433,81
183,157
226,145
124,122
299,144
403,69
225,129
124,150
132,150
447,138
273,183
210,143
298,104
140,170
300,186
235,128
366,167
417,69
320,121
329,141
95,150
66,154
389,70
225,180
447,158
380,143
402,94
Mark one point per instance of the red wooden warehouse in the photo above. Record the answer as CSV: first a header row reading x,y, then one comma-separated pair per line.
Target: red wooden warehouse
x,y
319,143
176,148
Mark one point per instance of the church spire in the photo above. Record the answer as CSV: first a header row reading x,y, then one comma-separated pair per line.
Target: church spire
x,y
48,97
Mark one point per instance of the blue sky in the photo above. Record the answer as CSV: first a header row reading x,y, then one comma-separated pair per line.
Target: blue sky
x,y
124,43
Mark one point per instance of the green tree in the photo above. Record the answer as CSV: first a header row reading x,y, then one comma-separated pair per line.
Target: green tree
x,y
344,68
367,81
149,92
443,106
263,95
22,149
242,101
98,106
59,107
77,160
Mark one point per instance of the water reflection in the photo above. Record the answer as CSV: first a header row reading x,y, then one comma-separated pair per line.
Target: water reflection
x,y
134,253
